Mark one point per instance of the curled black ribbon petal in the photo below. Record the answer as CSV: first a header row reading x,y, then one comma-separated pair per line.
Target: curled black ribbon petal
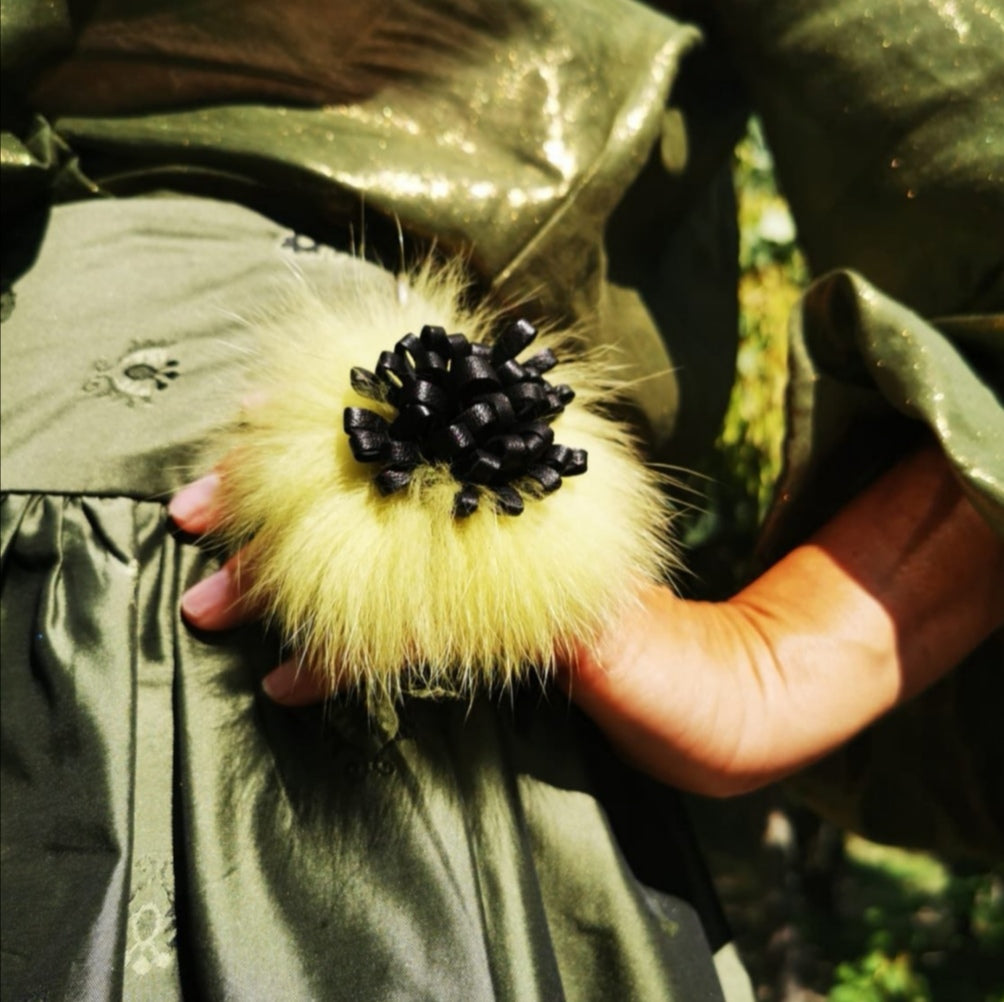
x,y
467,405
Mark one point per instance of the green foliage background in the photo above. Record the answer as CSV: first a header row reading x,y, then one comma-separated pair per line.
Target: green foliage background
x,y
773,274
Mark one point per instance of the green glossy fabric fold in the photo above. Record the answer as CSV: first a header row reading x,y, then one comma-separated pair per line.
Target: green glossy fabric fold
x,y
69,698
888,132
889,140
854,353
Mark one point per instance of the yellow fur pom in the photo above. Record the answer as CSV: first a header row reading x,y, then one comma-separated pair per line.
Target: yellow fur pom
x,y
395,593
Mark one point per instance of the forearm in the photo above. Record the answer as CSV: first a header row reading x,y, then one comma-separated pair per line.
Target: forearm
x,y
886,598
721,698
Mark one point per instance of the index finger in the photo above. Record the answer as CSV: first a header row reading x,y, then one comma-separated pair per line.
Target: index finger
x,y
195,508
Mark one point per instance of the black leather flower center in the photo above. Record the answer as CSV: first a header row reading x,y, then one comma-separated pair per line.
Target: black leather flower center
x,y
467,405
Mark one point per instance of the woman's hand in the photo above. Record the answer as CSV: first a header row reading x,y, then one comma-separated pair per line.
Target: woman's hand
x,y
685,690
218,603
720,698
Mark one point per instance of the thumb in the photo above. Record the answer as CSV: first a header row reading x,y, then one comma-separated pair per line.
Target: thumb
x,y
294,684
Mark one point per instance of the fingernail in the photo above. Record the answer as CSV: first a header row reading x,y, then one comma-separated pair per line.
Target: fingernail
x,y
193,503
280,682
211,594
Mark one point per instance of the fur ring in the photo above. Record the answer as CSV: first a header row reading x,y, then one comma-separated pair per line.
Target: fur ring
x,y
426,511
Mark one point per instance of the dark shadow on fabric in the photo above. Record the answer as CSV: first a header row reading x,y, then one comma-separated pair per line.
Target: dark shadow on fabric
x,y
61,851
651,826
19,248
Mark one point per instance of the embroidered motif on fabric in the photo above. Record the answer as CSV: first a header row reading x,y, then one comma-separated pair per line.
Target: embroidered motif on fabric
x,y
292,245
138,375
300,244
151,931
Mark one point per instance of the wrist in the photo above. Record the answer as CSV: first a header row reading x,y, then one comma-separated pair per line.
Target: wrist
x,y
885,599
826,660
